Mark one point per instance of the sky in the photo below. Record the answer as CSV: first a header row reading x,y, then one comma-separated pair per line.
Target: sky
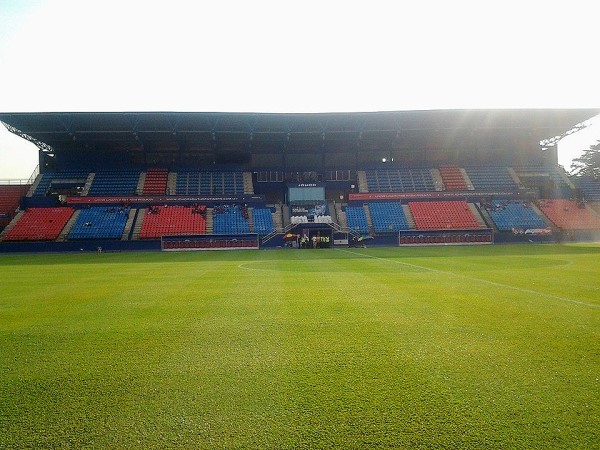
x,y
294,56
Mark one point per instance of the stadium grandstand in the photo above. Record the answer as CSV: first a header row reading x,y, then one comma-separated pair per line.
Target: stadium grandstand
x,y
155,180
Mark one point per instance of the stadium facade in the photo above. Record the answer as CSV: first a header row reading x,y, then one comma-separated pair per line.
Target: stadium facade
x,y
206,181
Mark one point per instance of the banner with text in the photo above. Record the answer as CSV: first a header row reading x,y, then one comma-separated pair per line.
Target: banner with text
x,y
425,195
163,200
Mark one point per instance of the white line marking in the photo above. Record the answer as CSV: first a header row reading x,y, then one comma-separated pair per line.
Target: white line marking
x,y
243,266
481,280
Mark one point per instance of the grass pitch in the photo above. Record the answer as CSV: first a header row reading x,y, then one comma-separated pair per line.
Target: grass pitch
x,y
439,347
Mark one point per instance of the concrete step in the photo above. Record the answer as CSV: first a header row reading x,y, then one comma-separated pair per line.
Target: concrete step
x,y
88,183
286,215
438,183
248,186
11,224
475,210
209,221
250,219
65,231
140,186
369,218
172,183
409,217
361,179
467,179
486,215
137,227
547,221
341,216
129,224
277,217
515,177
331,210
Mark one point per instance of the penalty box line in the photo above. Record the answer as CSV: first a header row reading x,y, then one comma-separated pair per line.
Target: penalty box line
x,y
479,280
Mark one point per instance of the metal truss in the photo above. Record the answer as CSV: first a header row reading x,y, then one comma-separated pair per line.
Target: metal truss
x,y
41,145
551,142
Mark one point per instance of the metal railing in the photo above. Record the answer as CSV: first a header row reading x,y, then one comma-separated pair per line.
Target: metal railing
x,y
21,181
13,182
34,174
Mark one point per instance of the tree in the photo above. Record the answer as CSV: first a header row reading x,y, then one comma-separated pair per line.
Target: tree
x,y
588,164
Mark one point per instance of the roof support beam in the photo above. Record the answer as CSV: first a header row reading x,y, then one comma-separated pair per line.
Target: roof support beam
x,y
41,145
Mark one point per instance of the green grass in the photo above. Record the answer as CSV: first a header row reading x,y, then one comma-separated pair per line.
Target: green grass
x,y
445,347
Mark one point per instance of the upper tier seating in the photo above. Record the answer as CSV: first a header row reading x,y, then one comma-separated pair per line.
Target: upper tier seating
x,y
590,187
357,219
100,223
562,189
115,182
509,214
173,220
263,220
39,224
47,178
194,182
155,182
230,219
567,214
491,178
10,196
399,180
387,217
443,215
453,178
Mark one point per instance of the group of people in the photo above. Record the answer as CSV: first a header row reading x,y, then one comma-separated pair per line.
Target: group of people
x,y
198,209
316,241
118,210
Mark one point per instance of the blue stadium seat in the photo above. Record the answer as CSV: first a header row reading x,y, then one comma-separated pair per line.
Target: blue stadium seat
x,y
115,182
491,178
387,217
263,220
399,180
228,219
100,223
509,214
204,182
357,219
590,188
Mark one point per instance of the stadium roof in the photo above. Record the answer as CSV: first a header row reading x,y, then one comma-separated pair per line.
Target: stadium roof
x,y
117,130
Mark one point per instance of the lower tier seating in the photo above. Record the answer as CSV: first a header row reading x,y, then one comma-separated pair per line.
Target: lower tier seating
x,y
569,215
509,214
440,215
100,223
263,220
356,218
39,224
387,217
230,219
173,220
